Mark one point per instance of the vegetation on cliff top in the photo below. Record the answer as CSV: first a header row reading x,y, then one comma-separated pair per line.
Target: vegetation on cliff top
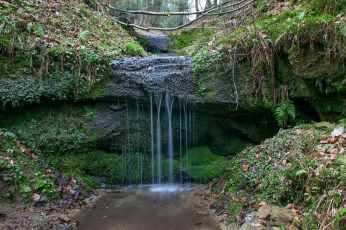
x,y
56,49
286,50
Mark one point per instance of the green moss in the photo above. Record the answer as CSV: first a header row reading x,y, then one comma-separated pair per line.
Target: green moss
x,y
188,37
329,108
133,49
96,91
58,130
284,70
89,165
202,165
312,63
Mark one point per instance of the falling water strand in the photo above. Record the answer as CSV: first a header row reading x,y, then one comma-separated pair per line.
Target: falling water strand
x,y
192,136
140,111
128,152
141,168
186,136
190,128
169,107
152,140
193,125
138,149
190,140
180,145
123,166
158,99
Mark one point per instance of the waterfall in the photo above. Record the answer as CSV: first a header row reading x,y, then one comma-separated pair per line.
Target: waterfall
x,y
148,134
158,100
151,163
169,107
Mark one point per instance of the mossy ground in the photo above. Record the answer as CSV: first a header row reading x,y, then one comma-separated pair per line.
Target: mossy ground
x,y
303,166
21,174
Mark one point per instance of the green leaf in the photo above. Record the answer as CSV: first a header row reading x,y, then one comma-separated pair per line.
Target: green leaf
x,y
301,172
39,30
29,27
26,189
301,15
83,34
343,29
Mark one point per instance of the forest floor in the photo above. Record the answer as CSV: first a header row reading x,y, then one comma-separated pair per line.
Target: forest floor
x,y
33,195
20,216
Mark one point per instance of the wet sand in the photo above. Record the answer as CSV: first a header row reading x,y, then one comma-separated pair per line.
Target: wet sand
x,y
141,209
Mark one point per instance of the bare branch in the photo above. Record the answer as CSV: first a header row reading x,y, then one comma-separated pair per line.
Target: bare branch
x,y
206,13
154,13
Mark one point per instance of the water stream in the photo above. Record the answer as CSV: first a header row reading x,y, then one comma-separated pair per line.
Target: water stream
x,y
159,207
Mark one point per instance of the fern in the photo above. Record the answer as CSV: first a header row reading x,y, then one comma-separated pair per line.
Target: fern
x,y
284,112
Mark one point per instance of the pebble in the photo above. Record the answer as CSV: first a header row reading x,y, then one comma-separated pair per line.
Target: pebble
x,y
64,218
203,213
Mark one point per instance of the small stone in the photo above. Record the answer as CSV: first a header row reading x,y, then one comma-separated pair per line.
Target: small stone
x,y
246,226
278,216
64,218
276,228
248,219
337,132
10,227
203,213
2,216
291,227
264,211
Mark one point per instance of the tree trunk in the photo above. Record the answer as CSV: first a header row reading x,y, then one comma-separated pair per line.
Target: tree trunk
x,y
196,5
208,4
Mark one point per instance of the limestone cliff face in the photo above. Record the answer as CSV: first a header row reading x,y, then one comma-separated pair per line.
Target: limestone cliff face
x,y
137,78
